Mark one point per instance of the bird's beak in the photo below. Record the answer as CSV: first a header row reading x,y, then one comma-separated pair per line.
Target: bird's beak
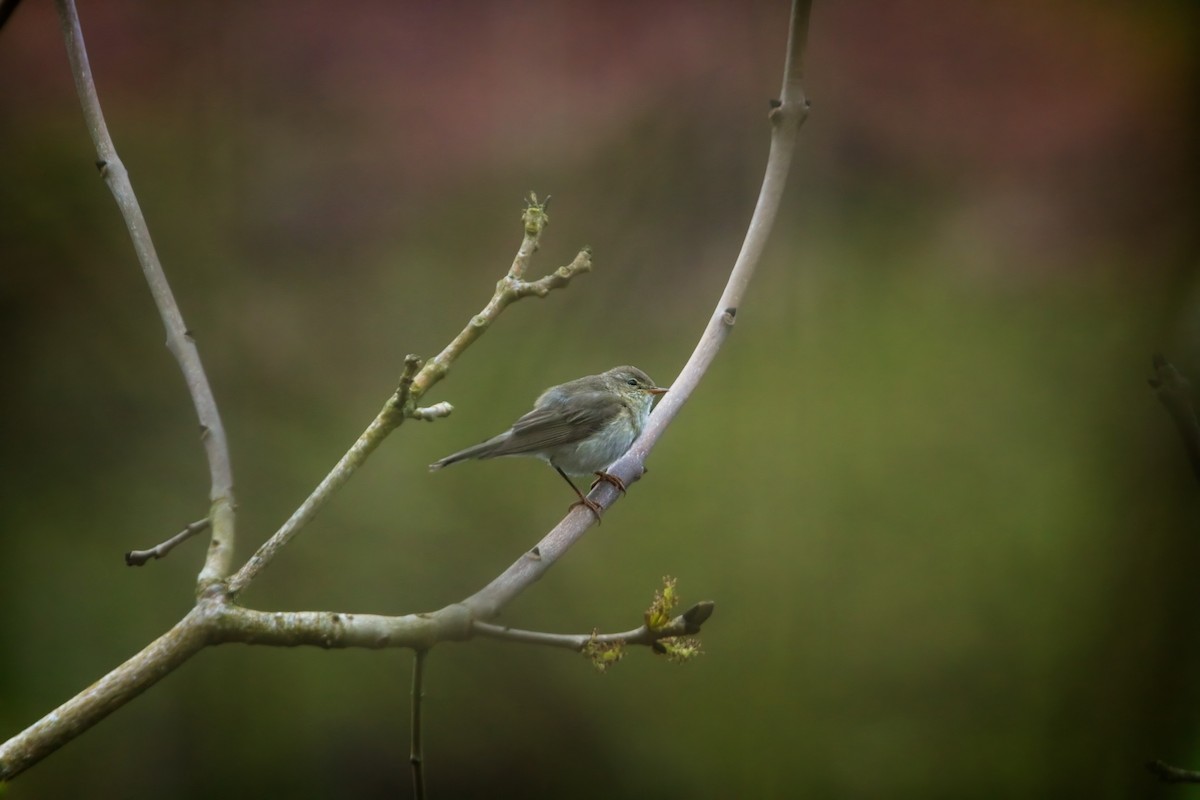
x,y
657,390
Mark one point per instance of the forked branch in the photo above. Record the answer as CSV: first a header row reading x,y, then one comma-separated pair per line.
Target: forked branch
x,y
417,379
179,339
217,619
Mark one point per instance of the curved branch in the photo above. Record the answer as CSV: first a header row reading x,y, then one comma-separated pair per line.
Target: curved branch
x,y
786,117
179,338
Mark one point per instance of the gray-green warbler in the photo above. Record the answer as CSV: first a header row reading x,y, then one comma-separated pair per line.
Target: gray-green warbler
x,y
579,427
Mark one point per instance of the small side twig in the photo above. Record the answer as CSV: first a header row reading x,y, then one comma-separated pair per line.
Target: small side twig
x,y
686,624
435,411
137,558
663,634
1175,393
416,755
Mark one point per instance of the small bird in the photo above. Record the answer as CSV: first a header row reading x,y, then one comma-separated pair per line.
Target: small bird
x,y
579,427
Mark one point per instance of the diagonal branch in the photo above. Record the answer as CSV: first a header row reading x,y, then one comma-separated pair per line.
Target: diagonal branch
x,y
153,663
179,338
786,117
415,381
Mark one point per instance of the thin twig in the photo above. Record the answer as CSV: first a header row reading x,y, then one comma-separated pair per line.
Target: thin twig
x,y
509,289
686,624
785,117
416,755
179,338
415,381
136,558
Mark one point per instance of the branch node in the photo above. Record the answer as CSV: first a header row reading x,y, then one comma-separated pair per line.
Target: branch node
x,y
730,316
403,400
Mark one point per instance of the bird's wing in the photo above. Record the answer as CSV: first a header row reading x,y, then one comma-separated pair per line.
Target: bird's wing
x,y
560,422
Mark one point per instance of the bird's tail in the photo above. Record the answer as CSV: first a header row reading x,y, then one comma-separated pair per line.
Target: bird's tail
x,y
482,450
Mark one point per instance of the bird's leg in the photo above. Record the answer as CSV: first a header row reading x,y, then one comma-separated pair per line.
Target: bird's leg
x,y
604,477
592,505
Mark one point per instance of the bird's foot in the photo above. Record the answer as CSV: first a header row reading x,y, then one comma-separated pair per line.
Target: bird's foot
x,y
604,477
591,505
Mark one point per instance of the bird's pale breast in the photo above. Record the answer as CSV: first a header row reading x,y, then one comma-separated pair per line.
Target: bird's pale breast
x,y
602,448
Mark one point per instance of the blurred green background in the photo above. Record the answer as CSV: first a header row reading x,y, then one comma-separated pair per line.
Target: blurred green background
x,y
950,533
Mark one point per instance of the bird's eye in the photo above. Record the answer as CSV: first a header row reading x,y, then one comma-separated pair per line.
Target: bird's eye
x,y
632,382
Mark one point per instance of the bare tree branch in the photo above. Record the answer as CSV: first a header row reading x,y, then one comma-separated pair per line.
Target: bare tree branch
x,y
509,289
686,624
215,619
154,662
137,558
179,339
786,117
415,381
